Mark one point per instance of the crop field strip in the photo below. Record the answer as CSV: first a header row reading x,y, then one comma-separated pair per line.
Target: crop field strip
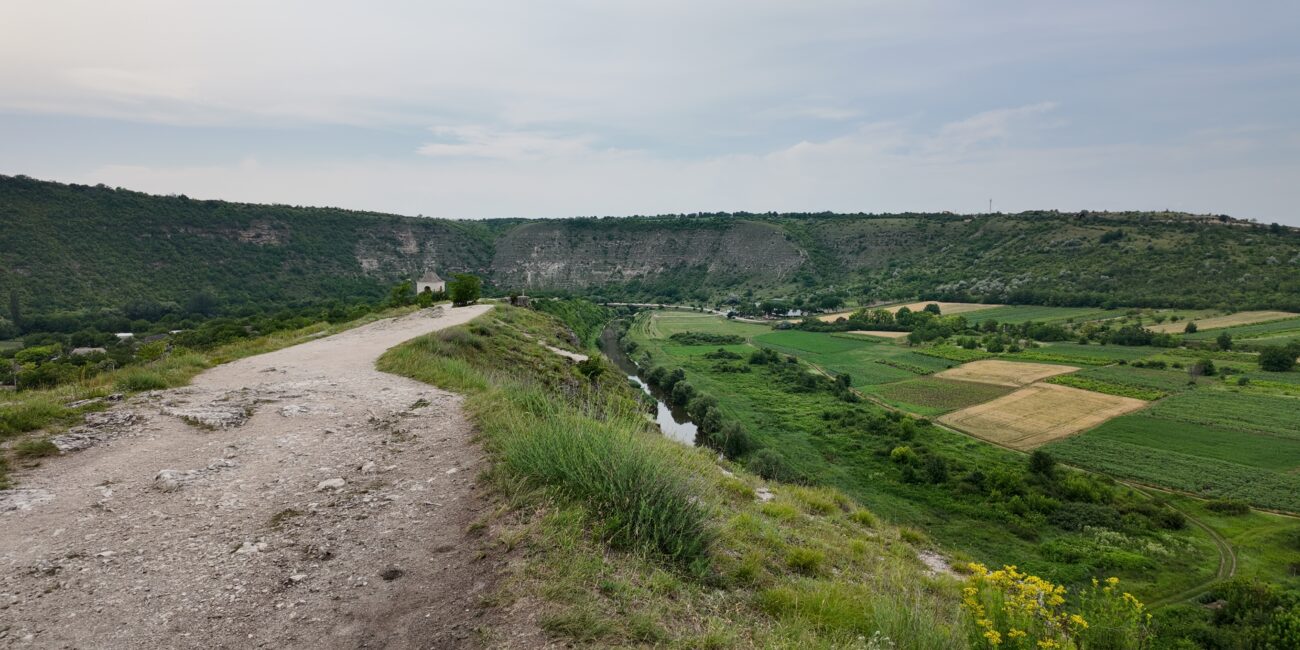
x,y
1222,322
1231,409
1181,471
946,308
1038,414
935,396
1016,314
880,334
1004,373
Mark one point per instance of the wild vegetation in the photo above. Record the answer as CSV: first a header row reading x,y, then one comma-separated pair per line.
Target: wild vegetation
x,y
795,435
224,257
633,539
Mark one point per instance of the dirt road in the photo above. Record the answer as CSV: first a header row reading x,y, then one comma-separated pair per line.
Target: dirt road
x,y
295,499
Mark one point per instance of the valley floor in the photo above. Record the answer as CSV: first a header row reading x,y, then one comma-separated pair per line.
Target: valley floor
x,y
295,499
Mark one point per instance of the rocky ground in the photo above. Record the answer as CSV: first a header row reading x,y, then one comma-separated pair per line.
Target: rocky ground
x,y
295,499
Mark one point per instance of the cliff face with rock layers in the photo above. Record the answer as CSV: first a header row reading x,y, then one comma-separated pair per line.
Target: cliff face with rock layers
x,y
579,255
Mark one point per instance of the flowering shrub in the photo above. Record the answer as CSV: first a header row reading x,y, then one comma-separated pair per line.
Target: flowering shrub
x,y
1014,610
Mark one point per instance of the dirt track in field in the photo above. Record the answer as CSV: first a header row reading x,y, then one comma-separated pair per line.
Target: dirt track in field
x,y
330,507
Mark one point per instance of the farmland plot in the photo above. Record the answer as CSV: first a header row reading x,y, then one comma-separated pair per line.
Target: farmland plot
x,y
1217,322
1040,413
1004,373
934,396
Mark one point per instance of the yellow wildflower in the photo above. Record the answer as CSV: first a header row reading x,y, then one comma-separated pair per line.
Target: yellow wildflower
x,y
994,637
1078,621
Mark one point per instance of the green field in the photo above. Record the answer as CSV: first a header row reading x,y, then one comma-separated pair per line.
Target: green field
x,y
868,362
10,345
1267,545
1178,470
822,448
1025,313
1169,381
1234,409
1210,440
1107,387
1258,330
935,396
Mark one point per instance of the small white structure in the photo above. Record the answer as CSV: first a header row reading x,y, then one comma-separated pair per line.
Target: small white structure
x,y
430,281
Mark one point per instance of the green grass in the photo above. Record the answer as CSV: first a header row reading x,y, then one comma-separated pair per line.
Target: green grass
x,y
609,511
1016,314
816,342
1267,545
1096,352
1235,410
1206,460
1269,329
1165,381
1107,387
35,448
936,396
867,362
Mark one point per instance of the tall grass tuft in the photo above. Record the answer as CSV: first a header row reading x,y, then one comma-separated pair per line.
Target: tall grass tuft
x,y
30,415
632,485
133,380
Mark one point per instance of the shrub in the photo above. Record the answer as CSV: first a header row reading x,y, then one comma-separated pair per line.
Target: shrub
x,y
805,560
1276,358
902,454
1228,506
771,465
1041,462
35,449
1010,609
134,380
639,493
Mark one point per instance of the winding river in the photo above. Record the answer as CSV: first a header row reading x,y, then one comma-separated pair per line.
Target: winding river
x,y
672,421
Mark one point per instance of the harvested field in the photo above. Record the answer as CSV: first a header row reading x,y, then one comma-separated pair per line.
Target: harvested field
x,y
945,308
883,335
1004,373
1217,322
1039,414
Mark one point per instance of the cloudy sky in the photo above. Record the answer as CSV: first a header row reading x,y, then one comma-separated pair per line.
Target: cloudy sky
x,y
599,107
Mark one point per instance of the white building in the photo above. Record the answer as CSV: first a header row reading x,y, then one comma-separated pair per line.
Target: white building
x,y
430,281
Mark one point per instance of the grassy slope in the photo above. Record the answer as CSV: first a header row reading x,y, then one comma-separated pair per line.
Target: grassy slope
x,y
791,424
808,569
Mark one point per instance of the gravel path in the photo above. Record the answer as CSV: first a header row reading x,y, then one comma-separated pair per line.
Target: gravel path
x,y
295,499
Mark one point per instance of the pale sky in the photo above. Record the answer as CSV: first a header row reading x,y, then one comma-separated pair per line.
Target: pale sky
x,y
600,107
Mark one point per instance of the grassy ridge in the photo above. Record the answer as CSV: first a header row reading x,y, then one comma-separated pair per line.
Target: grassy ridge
x,y
697,561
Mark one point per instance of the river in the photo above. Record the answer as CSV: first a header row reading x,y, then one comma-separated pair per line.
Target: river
x,y
672,421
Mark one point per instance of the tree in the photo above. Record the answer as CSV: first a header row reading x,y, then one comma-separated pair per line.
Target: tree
x,y
1276,359
425,298
401,295
1041,462
1224,340
15,312
1190,328
464,289
933,308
